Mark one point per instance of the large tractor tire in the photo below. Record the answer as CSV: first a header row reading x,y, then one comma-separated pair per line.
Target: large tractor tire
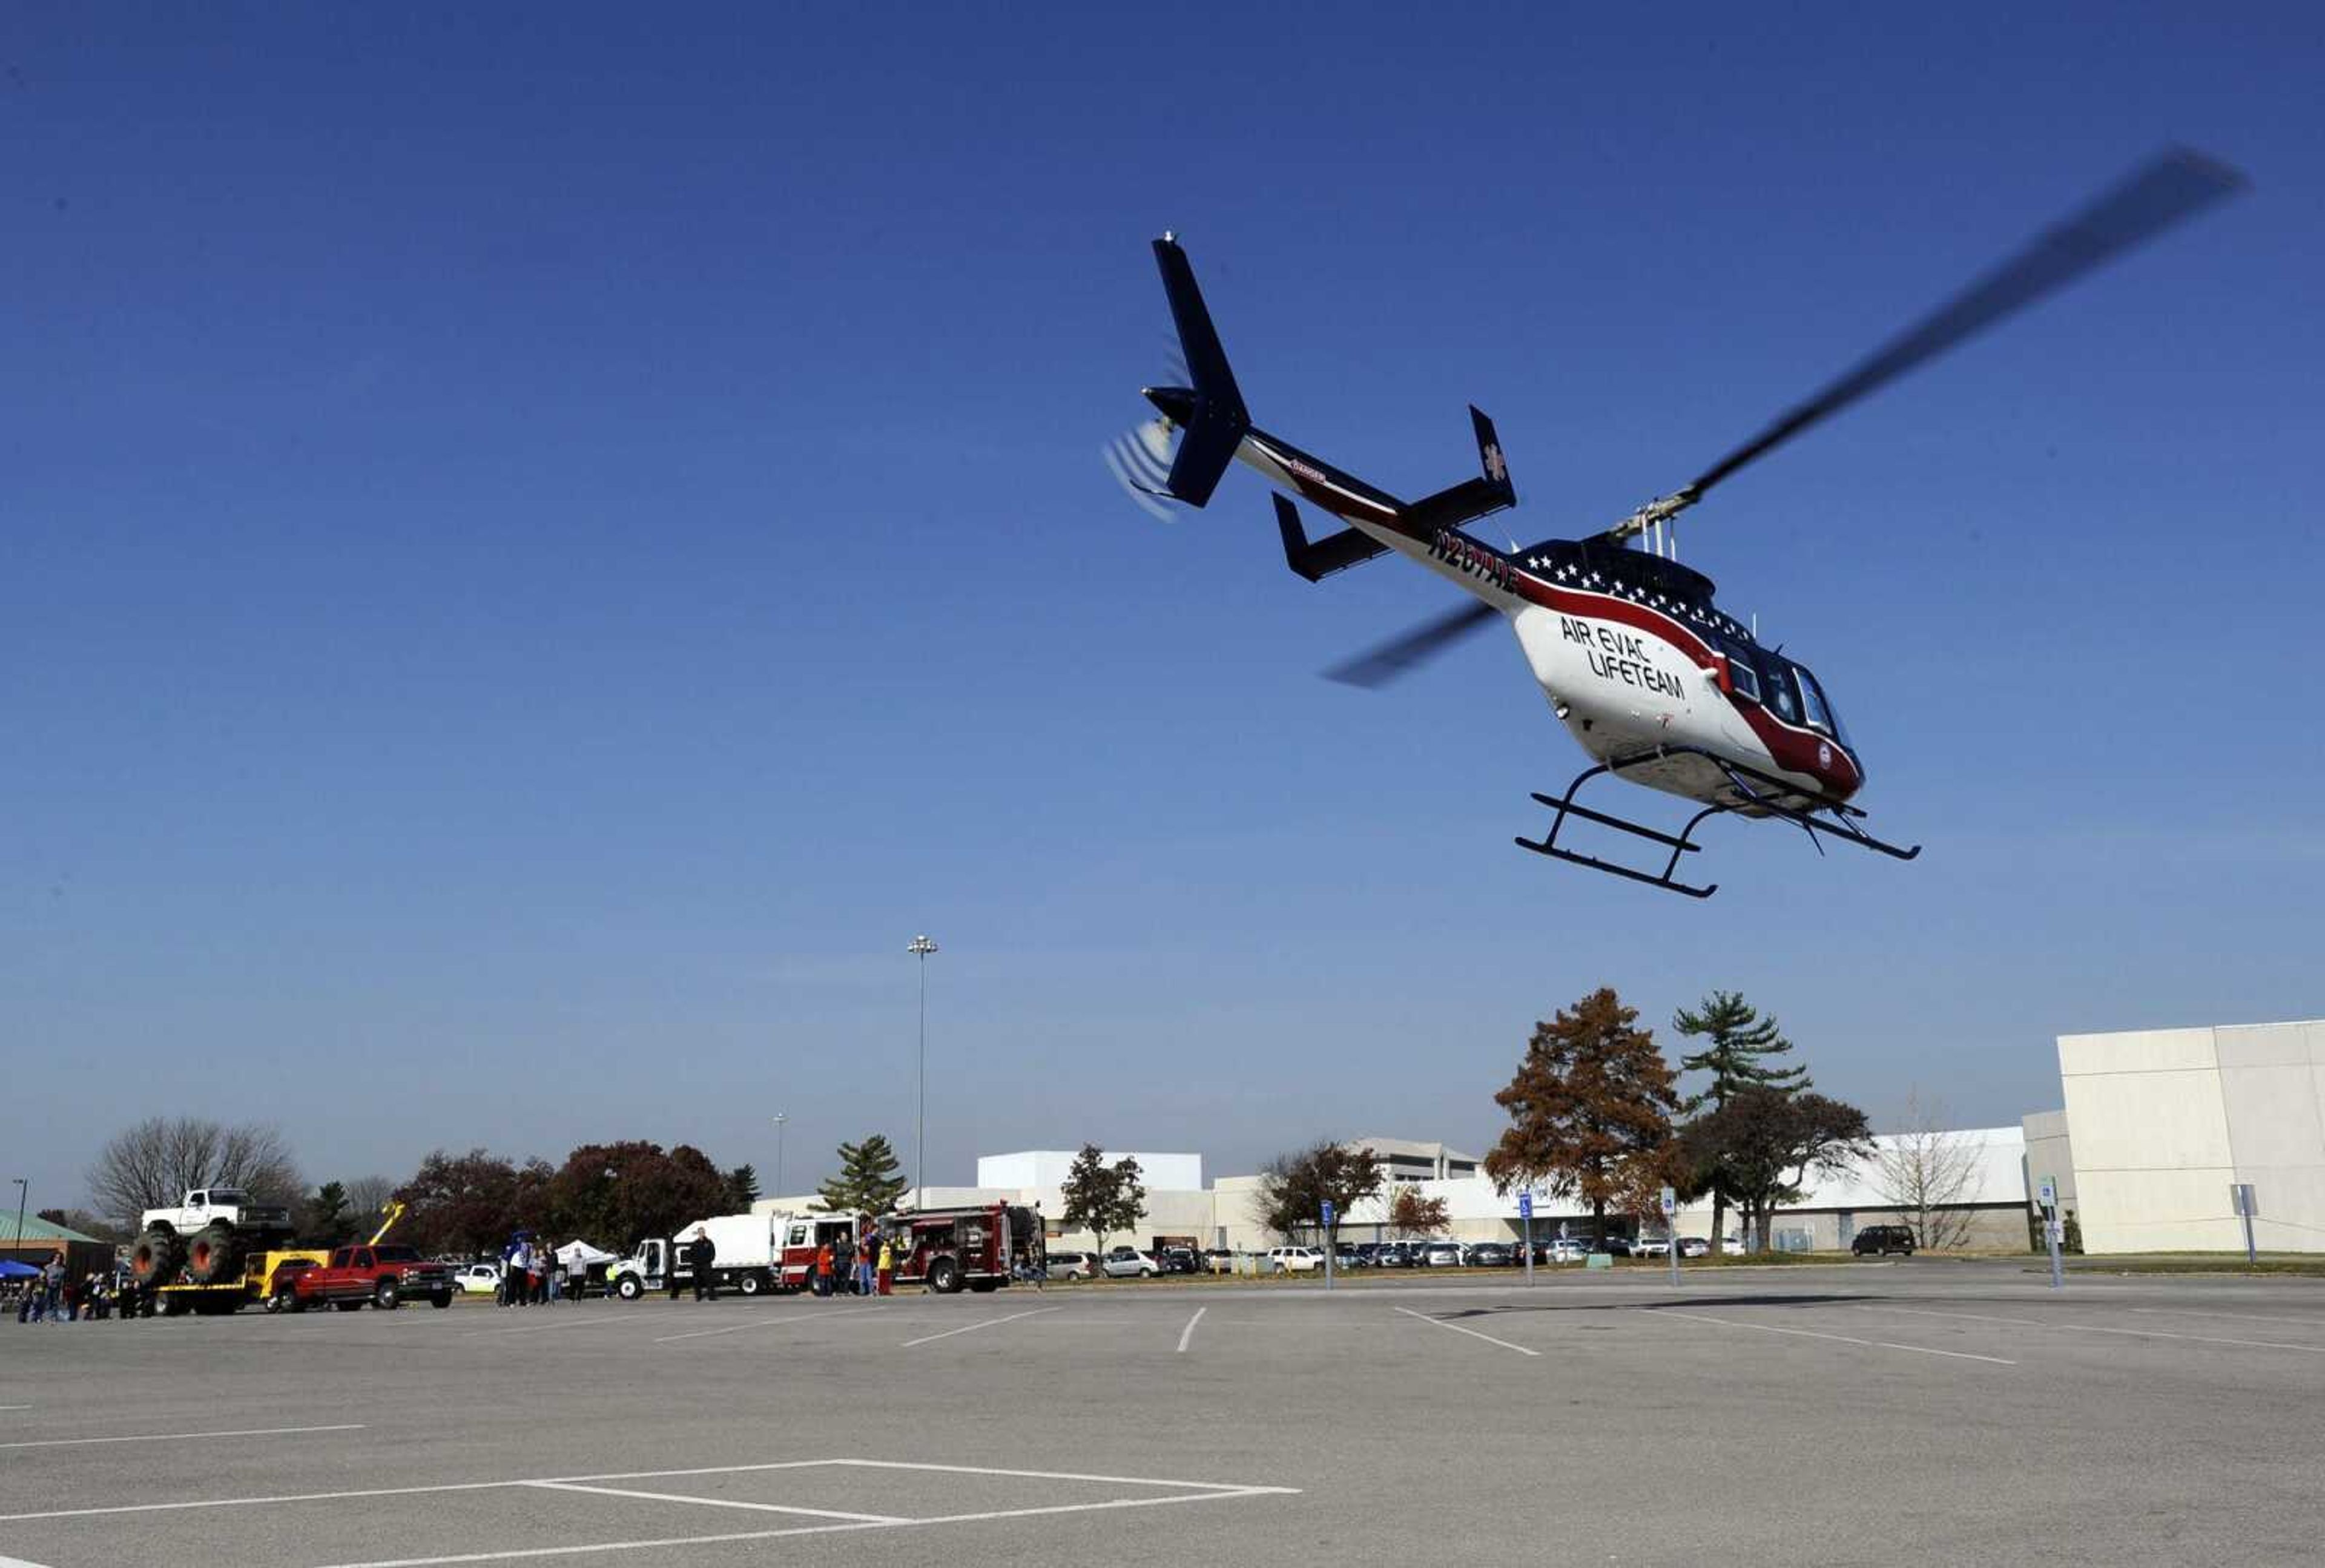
x,y
154,1259
944,1276
214,1256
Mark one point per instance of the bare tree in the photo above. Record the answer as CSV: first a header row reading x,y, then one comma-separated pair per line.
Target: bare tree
x,y
1930,1175
367,1197
153,1164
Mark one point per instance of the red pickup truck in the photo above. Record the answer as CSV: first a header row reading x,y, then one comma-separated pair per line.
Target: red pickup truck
x,y
382,1276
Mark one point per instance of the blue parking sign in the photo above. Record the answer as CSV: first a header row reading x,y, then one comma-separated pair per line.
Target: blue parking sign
x,y
1525,1205
1328,1214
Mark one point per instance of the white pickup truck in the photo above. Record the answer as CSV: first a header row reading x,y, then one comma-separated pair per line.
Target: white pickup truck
x,y
207,1234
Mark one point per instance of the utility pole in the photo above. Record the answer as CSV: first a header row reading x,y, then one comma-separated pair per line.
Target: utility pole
x,y
23,1186
921,949
781,1118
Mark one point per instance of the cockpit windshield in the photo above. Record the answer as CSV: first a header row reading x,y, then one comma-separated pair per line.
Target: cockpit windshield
x,y
1822,714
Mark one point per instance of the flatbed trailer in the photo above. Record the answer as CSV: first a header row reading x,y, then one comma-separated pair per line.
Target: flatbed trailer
x,y
264,1277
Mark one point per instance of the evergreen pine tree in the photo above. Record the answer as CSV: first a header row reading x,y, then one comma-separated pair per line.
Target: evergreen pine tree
x,y
870,1179
1741,1042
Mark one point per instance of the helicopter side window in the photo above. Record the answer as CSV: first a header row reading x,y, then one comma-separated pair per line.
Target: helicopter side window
x,y
1819,715
1822,712
1741,676
1780,693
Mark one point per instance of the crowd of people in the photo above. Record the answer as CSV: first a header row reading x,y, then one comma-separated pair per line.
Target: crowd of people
x,y
55,1295
531,1274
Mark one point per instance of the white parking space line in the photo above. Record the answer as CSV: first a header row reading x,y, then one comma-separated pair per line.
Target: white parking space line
x,y
972,1328
2104,1329
858,1316
2316,1322
18,1562
615,1318
179,1436
1113,1480
1457,1328
1189,1332
1816,1334
718,1502
665,1543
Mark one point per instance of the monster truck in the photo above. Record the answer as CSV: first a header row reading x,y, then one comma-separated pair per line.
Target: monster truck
x,y
208,1235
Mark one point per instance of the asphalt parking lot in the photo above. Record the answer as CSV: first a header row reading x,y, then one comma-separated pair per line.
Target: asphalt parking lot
x,y
1924,1411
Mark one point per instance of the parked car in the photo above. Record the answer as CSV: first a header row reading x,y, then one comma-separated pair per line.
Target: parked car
x,y
1293,1260
1882,1240
1565,1251
1348,1254
1218,1260
1179,1260
1732,1246
1073,1264
1694,1247
1651,1247
478,1278
1492,1255
1445,1255
1393,1255
1129,1263
1616,1247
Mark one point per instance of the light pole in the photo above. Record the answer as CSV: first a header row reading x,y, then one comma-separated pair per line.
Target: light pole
x,y
22,1187
921,949
781,1118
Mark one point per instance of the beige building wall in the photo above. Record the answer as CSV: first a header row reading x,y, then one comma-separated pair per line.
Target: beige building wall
x,y
2165,1121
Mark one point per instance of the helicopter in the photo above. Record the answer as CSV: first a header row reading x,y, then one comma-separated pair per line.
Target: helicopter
x,y
1659,686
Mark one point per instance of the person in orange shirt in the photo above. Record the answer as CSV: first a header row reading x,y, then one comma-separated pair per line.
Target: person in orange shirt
x,y
823,1270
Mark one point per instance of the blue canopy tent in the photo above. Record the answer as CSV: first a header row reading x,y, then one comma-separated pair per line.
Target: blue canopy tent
x,y
11,1269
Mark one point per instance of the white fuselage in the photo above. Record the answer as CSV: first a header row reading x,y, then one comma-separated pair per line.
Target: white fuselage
x,y
1627,675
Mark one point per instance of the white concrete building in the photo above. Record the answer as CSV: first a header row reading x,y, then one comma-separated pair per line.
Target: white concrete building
x,y
1049,1168
2161,1123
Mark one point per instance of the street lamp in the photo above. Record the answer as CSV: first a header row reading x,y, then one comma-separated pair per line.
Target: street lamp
x,y
22,1188
921,949
781,1118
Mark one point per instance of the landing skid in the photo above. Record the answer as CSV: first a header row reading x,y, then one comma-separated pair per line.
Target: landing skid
x,y
1760,793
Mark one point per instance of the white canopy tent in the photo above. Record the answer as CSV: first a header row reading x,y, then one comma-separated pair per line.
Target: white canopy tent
x,y
577,1254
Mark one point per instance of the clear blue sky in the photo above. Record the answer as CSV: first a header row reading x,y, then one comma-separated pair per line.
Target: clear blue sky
x,y
538,550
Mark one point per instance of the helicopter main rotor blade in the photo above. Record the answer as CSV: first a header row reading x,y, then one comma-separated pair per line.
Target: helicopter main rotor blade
x,y
1385,661
2176,185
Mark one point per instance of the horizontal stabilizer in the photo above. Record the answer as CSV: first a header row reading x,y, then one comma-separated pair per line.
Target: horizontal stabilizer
x,y
1336,552
1471,499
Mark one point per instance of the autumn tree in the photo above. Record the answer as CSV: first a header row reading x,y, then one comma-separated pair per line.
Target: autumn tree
x,y
1591,1099
1740,1047
1766,1142
1928,1175
466,1203
1103,1196
1411,1214
153,1164
1295,1188
614,1195
870,1181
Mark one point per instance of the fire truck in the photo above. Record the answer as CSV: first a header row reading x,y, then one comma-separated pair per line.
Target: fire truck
x,y
974,1248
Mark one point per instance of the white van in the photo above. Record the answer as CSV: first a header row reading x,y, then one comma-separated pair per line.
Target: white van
x,y
1293,1260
